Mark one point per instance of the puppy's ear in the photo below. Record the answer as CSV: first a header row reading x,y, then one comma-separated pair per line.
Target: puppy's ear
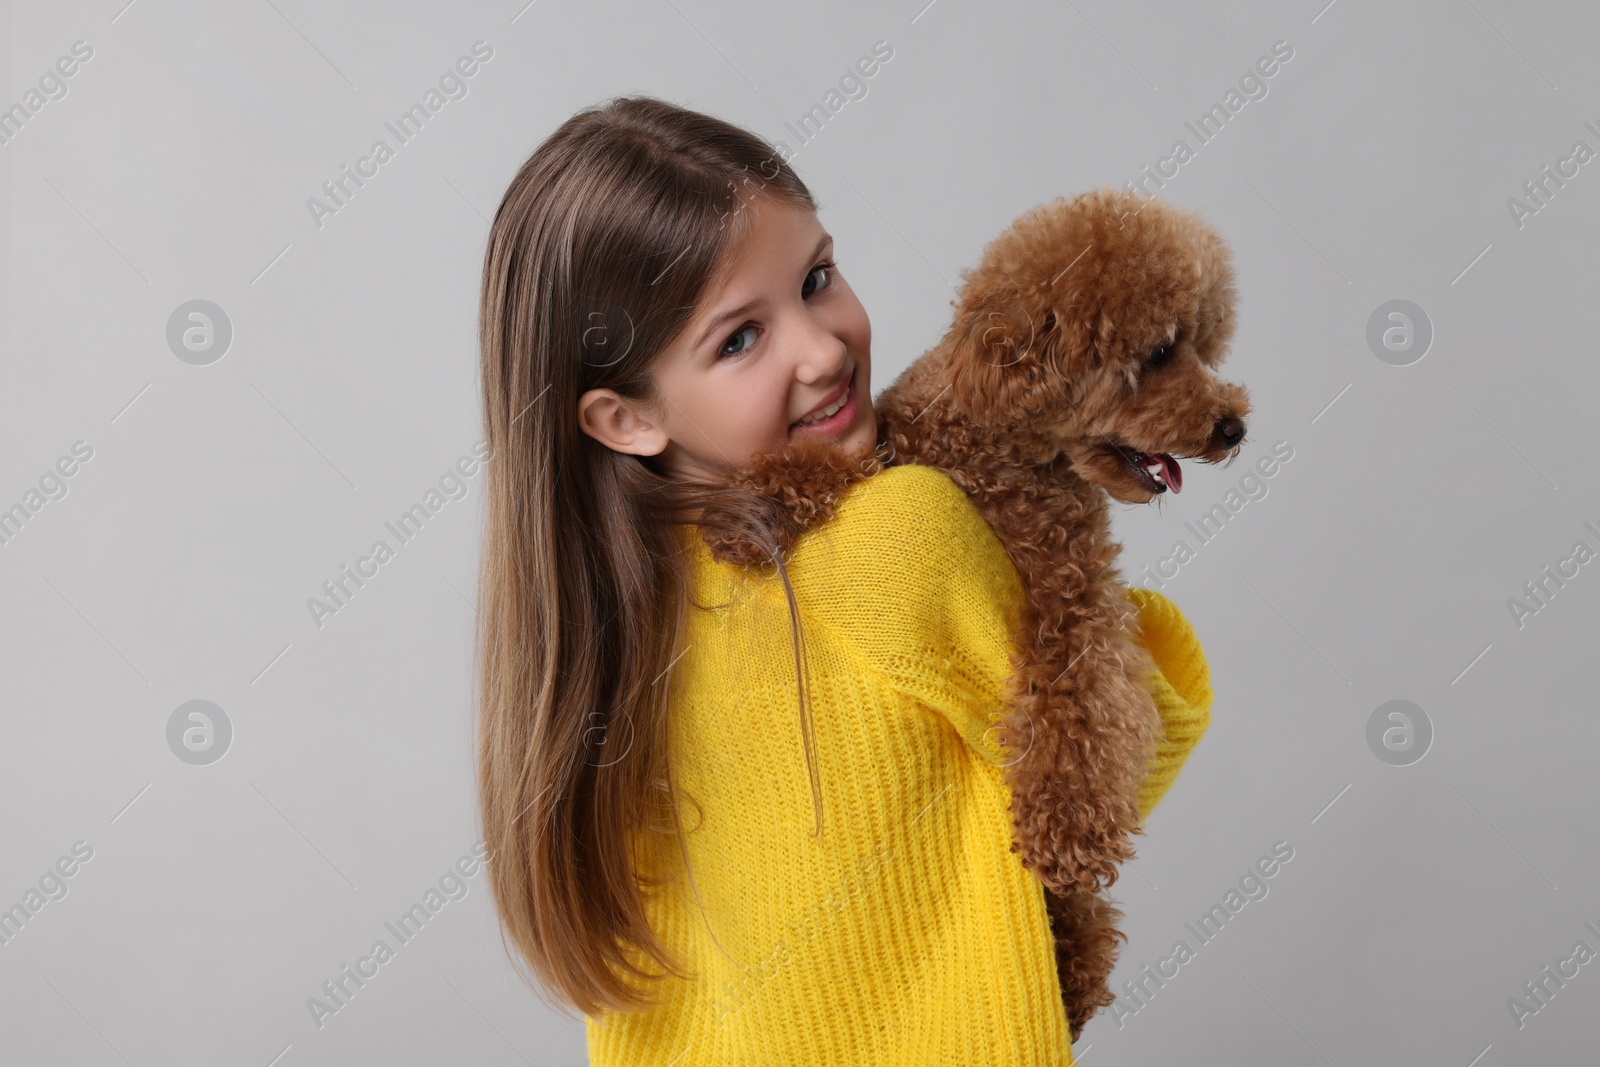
x,y
1012,362
1216,319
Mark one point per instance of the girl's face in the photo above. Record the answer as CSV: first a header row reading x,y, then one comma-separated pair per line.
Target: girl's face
x,y
778,339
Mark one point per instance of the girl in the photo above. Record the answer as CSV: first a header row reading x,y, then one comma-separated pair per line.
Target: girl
x,y
659,305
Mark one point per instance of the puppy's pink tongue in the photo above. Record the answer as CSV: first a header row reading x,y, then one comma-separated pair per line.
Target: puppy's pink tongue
x,y
1171,473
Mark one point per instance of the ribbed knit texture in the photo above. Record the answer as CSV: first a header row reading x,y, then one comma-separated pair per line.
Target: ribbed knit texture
x,y
909,934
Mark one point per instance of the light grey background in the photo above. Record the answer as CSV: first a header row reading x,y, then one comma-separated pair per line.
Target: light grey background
x,y
1379,565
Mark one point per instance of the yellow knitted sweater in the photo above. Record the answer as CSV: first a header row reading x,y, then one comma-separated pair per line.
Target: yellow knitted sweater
x,y
909,933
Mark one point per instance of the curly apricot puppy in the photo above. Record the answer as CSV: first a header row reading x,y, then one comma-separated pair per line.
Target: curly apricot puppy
x,y
1080,367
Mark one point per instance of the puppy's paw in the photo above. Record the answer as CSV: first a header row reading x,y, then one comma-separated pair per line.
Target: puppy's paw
x,y
1086,935
1091,865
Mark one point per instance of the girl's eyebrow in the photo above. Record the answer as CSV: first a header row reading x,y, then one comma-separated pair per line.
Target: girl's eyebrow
x,y
751,305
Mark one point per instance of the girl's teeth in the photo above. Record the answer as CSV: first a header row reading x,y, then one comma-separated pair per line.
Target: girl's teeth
x,y
826,413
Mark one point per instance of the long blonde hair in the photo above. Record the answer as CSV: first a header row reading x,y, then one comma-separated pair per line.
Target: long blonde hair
x,y
602,247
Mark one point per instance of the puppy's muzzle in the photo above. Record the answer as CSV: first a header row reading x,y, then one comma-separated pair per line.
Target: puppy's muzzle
x,y
1227,432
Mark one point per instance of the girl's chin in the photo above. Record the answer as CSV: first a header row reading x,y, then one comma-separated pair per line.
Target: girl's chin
x,y
864,435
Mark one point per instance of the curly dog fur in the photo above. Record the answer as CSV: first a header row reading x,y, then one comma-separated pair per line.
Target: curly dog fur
x,y
1084,347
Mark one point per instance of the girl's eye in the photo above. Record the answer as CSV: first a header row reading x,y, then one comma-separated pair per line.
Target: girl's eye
x,y
723,351
805,291
828,266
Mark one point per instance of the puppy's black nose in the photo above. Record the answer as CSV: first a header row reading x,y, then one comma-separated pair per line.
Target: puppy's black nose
x,y
1229,431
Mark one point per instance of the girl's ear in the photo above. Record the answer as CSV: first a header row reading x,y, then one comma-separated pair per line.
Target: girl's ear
x,y
620,424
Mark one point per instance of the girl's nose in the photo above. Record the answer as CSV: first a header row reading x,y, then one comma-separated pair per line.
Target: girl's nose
x,y
821,355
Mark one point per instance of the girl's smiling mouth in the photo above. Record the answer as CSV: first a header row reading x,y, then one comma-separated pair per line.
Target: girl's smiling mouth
x,y
843,414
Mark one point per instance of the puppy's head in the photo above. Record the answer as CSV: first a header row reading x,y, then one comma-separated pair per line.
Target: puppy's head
x,y
1095,327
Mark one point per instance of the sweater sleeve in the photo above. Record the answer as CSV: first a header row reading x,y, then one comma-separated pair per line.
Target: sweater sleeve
x,y
936,609
939,616
1180,684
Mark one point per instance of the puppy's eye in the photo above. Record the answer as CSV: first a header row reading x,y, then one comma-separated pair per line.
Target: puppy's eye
x,y
1161,355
